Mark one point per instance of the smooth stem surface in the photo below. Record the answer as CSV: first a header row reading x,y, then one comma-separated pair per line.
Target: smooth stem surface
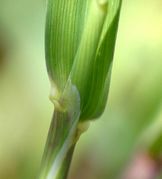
x,y
59,146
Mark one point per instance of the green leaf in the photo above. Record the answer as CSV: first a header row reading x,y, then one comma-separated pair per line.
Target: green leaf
x,y
64,24
80,40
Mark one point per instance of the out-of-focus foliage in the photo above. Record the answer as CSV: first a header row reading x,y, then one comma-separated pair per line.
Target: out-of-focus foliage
x,y
134,100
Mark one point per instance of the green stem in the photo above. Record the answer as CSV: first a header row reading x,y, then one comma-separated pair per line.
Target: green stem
x,y
60,145
66,164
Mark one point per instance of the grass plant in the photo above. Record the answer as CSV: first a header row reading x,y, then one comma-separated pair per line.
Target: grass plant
x,y
79,45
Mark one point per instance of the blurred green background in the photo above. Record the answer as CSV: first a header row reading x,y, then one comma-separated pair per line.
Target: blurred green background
x,y
132,121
